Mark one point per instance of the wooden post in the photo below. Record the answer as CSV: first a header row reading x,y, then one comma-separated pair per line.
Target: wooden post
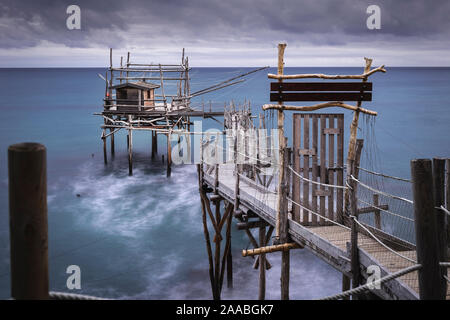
x,y
351,154
281,143
377,213
284,229
169,156
356,274
28,221
217,240
154,144
441,216
112,143
262,265
430,282
447,203
130,148
105,153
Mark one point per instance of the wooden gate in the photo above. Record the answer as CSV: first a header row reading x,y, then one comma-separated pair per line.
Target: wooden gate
x,y
318,156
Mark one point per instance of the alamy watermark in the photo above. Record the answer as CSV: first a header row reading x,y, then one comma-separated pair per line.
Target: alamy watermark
x,y
74,280
373,22
73,21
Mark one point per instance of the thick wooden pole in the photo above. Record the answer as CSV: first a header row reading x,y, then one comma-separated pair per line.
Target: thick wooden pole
x,y
130,152
262,265
430,284
351,153
441,216
154,144
281,143
217,240
112,143
28,221
284,230
447,203
169,156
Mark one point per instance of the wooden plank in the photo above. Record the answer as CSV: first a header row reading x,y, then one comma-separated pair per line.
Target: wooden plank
x,y
331,131
307,152
321,86
331,163
323,146
323,96
296,179
340,173
305,199
314,167
322,193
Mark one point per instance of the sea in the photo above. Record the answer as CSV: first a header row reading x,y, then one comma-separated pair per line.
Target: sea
x,y
141,236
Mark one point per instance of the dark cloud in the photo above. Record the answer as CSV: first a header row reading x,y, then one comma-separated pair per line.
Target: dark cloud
x,y
117,23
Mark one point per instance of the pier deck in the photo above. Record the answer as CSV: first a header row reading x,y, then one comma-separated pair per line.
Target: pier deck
x,y
330,242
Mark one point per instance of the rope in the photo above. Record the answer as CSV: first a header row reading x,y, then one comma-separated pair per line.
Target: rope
x,y
369,286
384,175
380,242
320,216
381,192
387,211
315,182
72,296
443,209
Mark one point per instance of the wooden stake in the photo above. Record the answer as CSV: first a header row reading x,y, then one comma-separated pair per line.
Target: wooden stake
x,y
281,143
430,279
262,265
169,155
111,130
154,144
130,149
441,217
28,221
447,203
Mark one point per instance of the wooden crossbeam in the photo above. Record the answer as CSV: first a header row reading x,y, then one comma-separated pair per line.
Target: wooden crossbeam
x,y
321,86
321,96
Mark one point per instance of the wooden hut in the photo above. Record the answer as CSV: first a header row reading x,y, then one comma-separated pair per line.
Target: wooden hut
x,y
135,95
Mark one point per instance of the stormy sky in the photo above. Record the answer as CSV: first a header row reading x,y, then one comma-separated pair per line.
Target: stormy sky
x,y
225,32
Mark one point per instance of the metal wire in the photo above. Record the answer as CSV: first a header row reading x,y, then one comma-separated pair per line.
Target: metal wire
x,y
381,242
384,175
317,183
381,192
315,213
387,211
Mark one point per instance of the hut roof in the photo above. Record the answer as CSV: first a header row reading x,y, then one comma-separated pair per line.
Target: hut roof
x,y
138,85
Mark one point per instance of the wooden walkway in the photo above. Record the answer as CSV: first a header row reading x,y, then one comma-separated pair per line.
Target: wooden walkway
x,y
330,243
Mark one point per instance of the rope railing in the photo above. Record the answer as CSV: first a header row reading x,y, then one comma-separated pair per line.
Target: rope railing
x,y
316,182
381,192
384,210
54,295
443,209
384,175
371,285
381,242
317,214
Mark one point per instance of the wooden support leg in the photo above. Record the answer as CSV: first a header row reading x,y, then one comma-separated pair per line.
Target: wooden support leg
x,y
229,270
217,253
130,152
262,265
169,156
154,144
112,143
346,285
105,155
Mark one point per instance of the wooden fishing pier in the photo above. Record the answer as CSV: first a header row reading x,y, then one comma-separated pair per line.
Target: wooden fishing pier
x,y
308,196
311,199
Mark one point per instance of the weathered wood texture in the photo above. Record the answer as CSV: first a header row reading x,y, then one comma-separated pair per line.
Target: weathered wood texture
x,y
430,279
28,230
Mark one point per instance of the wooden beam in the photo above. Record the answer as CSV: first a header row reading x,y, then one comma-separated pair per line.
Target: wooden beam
x,y
270,249
430,279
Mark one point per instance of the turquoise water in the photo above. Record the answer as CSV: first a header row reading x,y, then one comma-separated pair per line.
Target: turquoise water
x,y
141,236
